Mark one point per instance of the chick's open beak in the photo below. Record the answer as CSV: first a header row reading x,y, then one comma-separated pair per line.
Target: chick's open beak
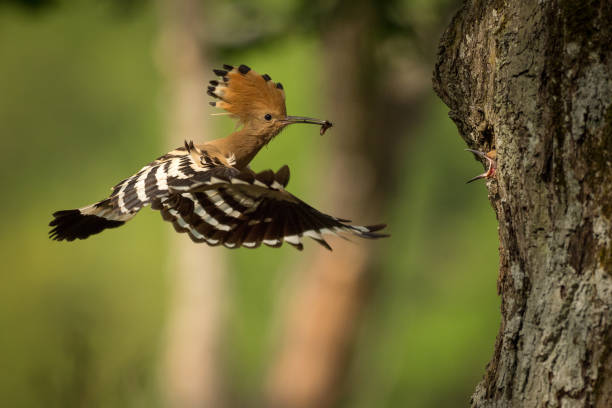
x,y
491,159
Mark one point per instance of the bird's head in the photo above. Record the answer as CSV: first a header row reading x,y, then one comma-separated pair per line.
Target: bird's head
x,y
255,100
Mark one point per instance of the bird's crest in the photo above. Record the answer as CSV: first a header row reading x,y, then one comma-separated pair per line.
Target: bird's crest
x,y
246,94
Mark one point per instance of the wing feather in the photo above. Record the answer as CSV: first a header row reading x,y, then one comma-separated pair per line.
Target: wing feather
x,y
246,209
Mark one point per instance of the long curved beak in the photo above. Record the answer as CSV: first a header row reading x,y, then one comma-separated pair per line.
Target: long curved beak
x,y
478,177
325,124
477,153
302,119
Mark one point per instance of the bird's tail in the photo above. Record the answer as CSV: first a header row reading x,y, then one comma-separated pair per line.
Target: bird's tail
x,y
82,222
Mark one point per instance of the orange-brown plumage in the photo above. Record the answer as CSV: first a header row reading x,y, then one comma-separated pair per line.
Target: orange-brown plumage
x,y
249,96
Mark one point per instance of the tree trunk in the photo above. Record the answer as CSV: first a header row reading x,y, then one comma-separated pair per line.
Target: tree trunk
x,y
192,367
534,80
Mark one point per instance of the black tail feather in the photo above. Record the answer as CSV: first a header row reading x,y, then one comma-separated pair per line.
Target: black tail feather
x,y
72,224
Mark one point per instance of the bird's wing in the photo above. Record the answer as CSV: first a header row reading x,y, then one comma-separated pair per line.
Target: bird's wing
x,y
175,171
248,209
203,195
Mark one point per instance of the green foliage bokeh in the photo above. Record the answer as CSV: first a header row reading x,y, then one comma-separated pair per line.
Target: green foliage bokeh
x,y
83,323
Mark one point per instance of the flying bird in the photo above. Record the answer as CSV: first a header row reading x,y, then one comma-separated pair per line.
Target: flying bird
x,y
209,191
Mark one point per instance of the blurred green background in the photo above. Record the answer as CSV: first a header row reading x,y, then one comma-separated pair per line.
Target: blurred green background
x,y
82,324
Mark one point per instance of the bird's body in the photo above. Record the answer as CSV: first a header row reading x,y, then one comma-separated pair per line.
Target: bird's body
x,y
208,190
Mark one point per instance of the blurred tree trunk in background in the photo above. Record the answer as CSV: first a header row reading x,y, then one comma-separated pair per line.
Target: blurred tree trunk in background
x,y
372,99
534,80
191,368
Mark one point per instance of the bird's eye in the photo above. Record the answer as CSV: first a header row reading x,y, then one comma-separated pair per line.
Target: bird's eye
x,y
268,116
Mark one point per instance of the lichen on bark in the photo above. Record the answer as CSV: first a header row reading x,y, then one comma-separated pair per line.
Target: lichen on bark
x,y
534,81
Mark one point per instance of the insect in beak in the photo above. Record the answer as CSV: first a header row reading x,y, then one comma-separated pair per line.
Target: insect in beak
x,y
325,124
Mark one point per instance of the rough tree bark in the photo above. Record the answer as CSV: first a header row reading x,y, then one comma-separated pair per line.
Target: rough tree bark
x,y
534,80
192,365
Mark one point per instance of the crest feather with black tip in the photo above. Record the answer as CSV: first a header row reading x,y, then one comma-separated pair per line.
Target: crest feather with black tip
x,y
245,94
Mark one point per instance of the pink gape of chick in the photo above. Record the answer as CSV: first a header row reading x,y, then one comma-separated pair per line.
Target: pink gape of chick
x,y
491,158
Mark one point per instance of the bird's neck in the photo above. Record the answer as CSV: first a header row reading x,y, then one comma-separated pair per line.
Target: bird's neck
x,y
243,145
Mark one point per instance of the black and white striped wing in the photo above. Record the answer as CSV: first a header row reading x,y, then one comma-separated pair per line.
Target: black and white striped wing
x,y
176,171
249,209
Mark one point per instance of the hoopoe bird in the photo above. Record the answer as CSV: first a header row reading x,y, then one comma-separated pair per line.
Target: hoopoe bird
x,y
209,192
491,158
